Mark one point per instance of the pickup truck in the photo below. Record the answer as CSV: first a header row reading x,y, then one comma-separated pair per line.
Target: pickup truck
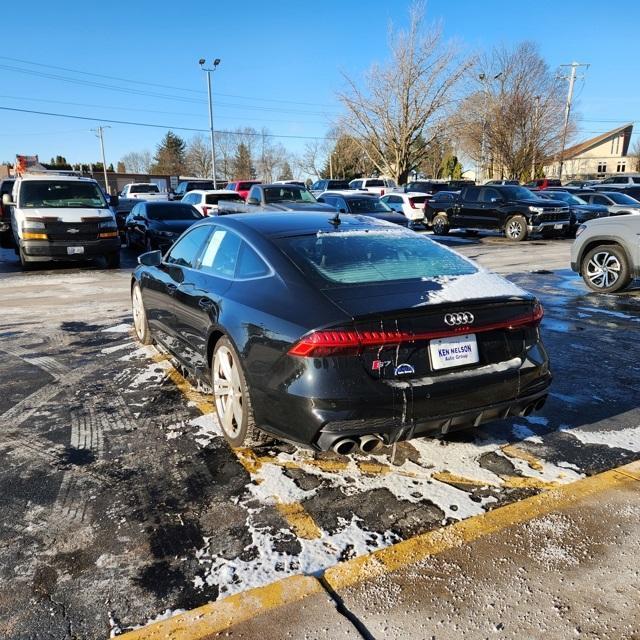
x,y
130,195
274,197
512,209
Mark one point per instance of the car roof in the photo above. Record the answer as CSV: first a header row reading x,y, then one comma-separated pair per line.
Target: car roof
x,y
349,192
57,177
164,203
297,224
206,192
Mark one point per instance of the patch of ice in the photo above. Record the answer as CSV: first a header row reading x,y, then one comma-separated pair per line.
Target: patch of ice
x,y
628,438
119,328
609,312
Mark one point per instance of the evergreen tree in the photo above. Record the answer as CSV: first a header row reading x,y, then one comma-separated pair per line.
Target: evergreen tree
x,y
170,155
286,173
242,166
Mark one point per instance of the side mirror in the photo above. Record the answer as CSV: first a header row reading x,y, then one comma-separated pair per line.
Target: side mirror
x,y
6,199
253,201
151,259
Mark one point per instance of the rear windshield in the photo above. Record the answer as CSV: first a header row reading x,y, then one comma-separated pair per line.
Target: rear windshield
x,y
417,198
374,183
214,198
360,257
172,212
200,185
287,193
45,194
144,188
367,204
337,184
244,186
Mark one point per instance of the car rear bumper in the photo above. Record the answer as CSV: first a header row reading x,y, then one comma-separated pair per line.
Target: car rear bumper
x,y
44,251
326,405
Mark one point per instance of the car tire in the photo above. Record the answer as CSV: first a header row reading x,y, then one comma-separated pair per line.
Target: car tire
x,y
516,228
113,260
140,323
605,269
231,398
440,224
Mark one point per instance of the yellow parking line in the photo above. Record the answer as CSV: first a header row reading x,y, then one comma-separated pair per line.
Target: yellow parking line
x,y
301,523
515,452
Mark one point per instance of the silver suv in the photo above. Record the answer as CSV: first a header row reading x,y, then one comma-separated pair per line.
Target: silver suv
x,y
606,252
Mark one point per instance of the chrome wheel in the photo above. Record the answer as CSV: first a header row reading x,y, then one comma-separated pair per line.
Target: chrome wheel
x,y
603,270
227,390
514,229
139,316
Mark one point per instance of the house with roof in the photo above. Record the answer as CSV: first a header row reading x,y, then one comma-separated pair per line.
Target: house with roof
x,y
604,155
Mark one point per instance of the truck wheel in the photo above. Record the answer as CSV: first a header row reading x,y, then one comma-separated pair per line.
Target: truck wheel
x,y
606,269
516,228
440,224
113,260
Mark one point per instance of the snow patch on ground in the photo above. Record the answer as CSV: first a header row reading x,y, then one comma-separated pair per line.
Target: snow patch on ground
x,y
628,438
119,328
118,347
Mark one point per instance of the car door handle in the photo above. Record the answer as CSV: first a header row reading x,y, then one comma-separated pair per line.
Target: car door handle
x,y
205,303
171,289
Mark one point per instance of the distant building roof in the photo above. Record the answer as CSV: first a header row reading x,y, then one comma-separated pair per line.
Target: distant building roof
x,y
578,149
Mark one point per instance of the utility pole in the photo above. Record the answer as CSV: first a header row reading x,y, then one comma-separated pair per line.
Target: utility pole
x,y
99,131
533,138
567,110
216,62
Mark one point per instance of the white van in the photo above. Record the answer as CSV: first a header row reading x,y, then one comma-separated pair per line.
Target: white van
x,y
61,217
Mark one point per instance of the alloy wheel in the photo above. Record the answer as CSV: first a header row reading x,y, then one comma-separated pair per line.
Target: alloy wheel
x,y
603,270
514,229
227,391
139,316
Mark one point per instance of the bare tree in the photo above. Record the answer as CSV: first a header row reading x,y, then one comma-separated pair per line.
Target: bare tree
x,y
225,142
311,161
198,157
137,161
635,155
514,118
403,105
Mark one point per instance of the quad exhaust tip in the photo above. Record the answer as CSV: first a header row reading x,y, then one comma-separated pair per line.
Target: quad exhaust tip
x,y
368,444
345,446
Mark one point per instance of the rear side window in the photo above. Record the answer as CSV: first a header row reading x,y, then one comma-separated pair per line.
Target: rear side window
x,y
250,264
471,194
220,256
360,257
186,251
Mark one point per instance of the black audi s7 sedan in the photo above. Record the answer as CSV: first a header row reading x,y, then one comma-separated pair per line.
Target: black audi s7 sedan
x,y
340,332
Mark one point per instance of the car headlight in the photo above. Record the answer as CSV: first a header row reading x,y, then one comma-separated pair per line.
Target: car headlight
x,y
580,229
30,224
108,225
536,209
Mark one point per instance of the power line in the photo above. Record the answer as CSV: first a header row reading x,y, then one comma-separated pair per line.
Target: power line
x,y
151,84
161,126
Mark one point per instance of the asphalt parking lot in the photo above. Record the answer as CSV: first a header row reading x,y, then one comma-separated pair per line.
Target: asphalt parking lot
x,y
122,503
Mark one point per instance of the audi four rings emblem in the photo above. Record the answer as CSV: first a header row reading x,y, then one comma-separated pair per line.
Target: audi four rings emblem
x,y
457,319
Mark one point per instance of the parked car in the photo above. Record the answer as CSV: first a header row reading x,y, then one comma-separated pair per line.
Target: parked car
x,y
580,210
605,252
156,225
6,238
189,185
581,184
363,204
617,202
206,202
430,187
379,186
515,210
274,197
440,202
58,217
543,183
320,186
242,187
621,181
514,183
410,205
142,191
392,336
298,183
632,192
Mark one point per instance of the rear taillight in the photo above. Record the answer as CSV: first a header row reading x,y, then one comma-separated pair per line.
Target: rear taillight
x,y
205,210
412,203
320,344
381,192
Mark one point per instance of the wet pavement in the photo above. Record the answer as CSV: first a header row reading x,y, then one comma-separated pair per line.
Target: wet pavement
x,y
121,502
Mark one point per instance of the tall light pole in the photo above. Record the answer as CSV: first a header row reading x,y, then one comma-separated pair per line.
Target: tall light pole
x,y
567,110
209,71
99,133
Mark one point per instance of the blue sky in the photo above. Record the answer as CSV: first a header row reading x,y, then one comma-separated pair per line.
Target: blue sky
x,y
281,63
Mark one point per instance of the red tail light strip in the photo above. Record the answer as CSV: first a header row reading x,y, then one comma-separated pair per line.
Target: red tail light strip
x,y
336,341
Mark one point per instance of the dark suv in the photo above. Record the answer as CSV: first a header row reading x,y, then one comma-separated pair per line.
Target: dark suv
x,y
515,210
189,185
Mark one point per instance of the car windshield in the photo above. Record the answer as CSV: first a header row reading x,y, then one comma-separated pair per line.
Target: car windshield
x,y
623,198
144,188
565,197
172,212
360,257
287,194
367,205
518,193
46,194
